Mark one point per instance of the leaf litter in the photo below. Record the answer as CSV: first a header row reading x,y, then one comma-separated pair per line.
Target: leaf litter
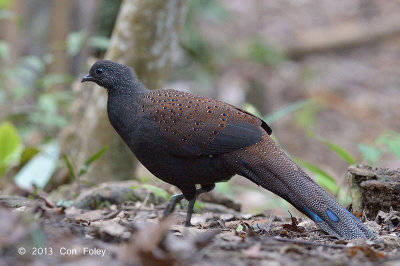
x,y
132,231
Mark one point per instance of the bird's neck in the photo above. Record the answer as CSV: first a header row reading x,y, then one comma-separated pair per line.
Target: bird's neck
x,y
123,108
127,89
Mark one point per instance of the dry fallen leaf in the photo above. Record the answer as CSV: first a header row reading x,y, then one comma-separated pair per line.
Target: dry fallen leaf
x,y
294,226
366,250
253,251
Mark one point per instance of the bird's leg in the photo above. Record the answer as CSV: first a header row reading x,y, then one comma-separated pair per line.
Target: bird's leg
x,y
190,212
203,189
175,199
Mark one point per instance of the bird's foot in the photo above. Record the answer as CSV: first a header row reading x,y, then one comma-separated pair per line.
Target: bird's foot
x,y
175,199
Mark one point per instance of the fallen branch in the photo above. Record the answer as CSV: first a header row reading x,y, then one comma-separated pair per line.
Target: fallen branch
x,y
343,35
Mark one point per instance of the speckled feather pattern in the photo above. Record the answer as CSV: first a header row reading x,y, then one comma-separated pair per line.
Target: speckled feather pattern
x,y
265,164
195,125
188,140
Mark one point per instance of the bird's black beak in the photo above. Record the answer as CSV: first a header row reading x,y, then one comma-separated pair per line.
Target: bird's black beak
x,y
87,78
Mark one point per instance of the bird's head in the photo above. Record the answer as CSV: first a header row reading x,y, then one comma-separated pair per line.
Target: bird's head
x,y
110,75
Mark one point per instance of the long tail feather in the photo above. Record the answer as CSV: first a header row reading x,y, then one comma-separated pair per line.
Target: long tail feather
x,y
266,165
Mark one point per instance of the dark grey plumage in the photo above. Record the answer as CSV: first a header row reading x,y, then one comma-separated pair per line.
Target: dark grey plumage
x,y
186,140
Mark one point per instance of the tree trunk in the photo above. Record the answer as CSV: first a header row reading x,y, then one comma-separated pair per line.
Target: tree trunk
x,y
60,26
144,36
10,32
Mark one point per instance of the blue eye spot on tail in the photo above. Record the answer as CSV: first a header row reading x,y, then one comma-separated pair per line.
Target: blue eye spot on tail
x,y
332,216
313,215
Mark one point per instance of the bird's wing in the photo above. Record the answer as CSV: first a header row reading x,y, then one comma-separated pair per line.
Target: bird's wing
x,y
196,126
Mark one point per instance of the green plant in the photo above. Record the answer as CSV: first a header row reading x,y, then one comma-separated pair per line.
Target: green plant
x,y
76,40
76,175
25,82
159,193
386,143
10,146
261,52
31,166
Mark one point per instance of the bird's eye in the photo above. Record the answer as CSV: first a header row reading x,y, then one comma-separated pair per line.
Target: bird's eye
x,y
99,71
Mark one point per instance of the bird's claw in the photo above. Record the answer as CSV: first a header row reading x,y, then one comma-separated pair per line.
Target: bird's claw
x,y
175,199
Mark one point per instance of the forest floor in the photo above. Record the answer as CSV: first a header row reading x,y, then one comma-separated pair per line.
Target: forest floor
x,y
124,227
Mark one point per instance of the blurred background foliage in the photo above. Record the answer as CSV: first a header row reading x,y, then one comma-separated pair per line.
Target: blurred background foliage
x,y
329,108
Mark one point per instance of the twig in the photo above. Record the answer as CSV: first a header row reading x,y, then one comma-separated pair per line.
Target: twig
x,y
308,243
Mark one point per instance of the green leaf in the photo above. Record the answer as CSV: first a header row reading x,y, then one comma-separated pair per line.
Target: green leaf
x,y
224,188
270,118
265,53
343,196
159,192
5,4
99,42
239,228
342,153
27,154
199,205
327,183
69,166
64,203
91,160
74,43
34,63
251,109
394,147
52,79
47,103
4,50
369,153
392,142
306,117
321,177
10,146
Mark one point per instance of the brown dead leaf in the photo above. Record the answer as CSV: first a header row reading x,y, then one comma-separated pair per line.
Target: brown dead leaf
x,y
47,201
262,227
204,239
145,246
294,226
91,216
71,212
253,251
369,252
12,229
110,230
198,219
159,245
230,236
390,220
242,234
